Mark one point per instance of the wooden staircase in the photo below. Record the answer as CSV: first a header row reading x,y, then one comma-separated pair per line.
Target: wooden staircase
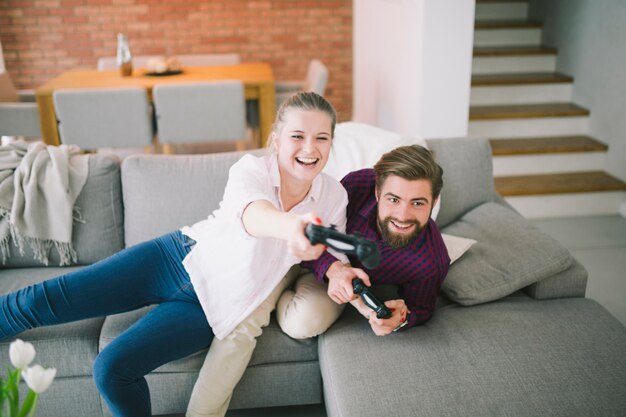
x,y
545,163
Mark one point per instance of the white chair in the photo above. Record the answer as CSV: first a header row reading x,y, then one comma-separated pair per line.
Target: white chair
x,y
316,80
104,117
110,62
197,60
201,112
19,116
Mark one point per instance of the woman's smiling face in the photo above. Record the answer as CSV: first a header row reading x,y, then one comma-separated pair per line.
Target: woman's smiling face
x,y
303,144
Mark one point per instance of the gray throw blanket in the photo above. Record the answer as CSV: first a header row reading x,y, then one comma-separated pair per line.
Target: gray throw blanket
x,y
38,188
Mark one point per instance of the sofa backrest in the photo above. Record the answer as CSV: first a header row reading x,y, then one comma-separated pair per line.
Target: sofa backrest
x,y
100,233
467,175
163,193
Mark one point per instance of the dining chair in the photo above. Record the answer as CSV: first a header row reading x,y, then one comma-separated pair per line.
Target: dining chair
x,y
110,62
196,60
19,116
316,80
200,112
104,117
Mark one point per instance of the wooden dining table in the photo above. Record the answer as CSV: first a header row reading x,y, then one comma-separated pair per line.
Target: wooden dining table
x,y
258,82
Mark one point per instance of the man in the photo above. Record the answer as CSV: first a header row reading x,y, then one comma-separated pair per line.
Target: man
x,y
390,204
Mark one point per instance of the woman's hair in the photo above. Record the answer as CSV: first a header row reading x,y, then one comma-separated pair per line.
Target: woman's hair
x,y
308,101
412,162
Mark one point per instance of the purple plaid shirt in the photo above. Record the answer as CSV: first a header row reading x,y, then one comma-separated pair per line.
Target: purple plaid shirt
x,y
418,269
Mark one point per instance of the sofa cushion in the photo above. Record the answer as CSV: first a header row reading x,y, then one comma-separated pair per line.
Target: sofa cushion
x,y
164,193
510,254
273,346
52,343
514,357
456,245
101,233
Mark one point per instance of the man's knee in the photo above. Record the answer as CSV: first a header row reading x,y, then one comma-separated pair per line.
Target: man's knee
x,y
302,318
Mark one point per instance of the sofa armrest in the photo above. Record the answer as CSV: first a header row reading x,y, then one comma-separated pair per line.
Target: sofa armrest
x,y
571,282
467,175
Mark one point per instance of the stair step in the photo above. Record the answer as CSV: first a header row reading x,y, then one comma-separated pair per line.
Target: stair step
x,y
546,145
523,128
526,111
521,94
566,183
501,51
520,79
509,64
507,37
501,10
506,24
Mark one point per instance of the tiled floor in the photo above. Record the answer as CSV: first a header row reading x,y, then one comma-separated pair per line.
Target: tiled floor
x,y
598,242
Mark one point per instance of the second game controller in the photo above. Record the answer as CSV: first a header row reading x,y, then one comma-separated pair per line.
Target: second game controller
x,y
382,312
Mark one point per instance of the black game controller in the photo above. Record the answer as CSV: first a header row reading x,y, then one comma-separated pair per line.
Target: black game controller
x,y
382,312
366,250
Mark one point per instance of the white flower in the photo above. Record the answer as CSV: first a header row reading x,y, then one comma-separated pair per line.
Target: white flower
x,y
21,353
39,379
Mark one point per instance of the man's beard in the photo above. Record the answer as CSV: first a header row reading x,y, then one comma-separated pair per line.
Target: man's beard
x,y
397,240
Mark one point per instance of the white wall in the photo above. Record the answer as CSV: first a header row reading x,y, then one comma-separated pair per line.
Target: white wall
x,y
412,65
591,39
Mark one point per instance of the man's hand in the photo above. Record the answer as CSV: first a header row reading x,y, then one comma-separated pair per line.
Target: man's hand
x,y
340,278
383,327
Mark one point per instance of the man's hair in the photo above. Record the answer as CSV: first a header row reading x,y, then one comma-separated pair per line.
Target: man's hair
x,y
305,100
412,162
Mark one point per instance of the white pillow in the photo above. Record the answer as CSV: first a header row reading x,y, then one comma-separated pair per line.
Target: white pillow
x,y
456,246
358,145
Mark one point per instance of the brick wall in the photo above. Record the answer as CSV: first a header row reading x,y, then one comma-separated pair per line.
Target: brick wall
x,y
42,38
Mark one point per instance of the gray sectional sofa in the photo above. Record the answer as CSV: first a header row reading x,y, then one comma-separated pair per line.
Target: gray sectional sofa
x,y
512,335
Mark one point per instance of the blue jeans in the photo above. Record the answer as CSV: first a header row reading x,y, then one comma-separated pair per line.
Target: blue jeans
x,y
145,274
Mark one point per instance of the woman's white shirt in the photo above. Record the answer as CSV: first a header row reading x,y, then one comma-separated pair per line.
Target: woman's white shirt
x,y
233,272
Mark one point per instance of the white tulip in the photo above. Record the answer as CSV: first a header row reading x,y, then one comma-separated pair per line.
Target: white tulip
x,y
21,353
39,379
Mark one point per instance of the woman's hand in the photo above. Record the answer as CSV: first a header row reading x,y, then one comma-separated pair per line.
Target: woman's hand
x,y
297,242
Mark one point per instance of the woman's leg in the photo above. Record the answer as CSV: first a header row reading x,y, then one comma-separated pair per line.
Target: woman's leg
x,y
228,358
171,331
144,274
307,310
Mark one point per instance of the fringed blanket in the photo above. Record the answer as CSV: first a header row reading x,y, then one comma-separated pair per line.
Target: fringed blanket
x,y
38,188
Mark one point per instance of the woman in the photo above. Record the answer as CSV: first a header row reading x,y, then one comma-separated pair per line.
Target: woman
x,y
206,278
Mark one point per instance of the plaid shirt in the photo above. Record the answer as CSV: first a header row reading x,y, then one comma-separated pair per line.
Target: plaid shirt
x,y
418,269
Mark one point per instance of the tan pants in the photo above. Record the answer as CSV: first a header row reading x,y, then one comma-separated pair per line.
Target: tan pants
x,y
305,311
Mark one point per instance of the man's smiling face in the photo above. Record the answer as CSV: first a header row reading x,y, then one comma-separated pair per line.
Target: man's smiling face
x,y
404,207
